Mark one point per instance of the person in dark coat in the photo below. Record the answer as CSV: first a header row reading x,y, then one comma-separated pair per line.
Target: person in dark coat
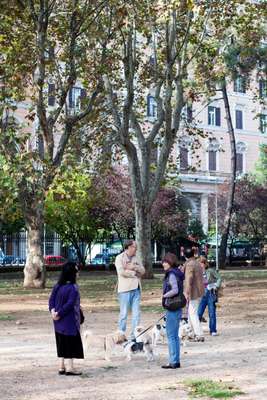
x,y
172,284
64,305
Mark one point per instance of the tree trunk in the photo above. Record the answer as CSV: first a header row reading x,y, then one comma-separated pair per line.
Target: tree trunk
x,y
231,193
143,237
34,271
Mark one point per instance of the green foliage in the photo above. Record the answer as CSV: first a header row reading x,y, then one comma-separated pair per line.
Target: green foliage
x,y
10,211
212,389
195,229
72,208
261,167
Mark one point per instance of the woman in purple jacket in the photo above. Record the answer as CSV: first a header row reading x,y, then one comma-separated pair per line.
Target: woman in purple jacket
x,y
172,284
64,305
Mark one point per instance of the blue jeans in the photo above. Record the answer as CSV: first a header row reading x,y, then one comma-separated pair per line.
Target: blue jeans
x,y
172,328
129,300
209,299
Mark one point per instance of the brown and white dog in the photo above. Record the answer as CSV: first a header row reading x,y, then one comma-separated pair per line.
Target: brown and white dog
x,y
143,343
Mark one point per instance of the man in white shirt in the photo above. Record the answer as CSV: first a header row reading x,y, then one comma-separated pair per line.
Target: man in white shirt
x,y
129,272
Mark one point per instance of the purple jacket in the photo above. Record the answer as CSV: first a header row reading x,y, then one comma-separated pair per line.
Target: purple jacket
x,y
65,299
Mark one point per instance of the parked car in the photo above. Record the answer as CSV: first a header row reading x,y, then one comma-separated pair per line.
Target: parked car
x,y
54,261
104,258
7,260
18,262
100,258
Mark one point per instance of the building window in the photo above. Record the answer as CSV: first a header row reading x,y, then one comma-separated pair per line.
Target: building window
x,y
239,119
263,88
51,94
239,163
240,155
214,116
263,123
76,95
240,85
184,162
213,149
40,145
212,160
151,107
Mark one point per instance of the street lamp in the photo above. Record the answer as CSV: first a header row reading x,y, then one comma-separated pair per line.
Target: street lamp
x,y
216,224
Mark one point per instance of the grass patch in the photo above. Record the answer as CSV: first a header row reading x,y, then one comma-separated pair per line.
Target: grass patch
x,y
211,389
6,317
102,285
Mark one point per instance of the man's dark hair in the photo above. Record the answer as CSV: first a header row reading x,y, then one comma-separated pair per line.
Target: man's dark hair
x,y
189,252
128,243
68,273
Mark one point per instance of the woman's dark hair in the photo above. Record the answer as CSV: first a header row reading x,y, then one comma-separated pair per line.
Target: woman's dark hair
x,y
68,273
171,259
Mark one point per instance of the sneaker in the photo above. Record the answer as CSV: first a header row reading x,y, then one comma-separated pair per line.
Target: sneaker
x,y
203,320
214,334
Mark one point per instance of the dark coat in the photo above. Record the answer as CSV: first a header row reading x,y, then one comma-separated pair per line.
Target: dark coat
x,y
65,299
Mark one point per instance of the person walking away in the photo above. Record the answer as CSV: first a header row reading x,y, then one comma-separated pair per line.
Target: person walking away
x,y
64,305
194,290
212,284
172,284
129,271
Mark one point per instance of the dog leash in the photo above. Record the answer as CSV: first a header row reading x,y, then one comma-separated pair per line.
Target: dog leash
x,y
151,326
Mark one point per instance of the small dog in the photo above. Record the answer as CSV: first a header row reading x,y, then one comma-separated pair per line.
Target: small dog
x,y
185,331
158,333
142,343
110,342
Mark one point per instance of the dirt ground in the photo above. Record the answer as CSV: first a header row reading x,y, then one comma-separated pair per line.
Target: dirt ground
x,y
28,365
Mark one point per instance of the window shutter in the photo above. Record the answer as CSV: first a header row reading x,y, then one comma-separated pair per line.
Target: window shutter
x,y
212,161
82,97
263,123
51,94
148,106
244,83
183,158
71,100
261,88
218,116
239,119
83,93
235,85
189,113
239,163
210,109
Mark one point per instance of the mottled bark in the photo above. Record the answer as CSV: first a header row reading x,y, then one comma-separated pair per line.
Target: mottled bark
x,y
143,238
231,193
34,270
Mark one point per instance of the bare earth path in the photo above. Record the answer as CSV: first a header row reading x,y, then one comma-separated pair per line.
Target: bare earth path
x,y
28,367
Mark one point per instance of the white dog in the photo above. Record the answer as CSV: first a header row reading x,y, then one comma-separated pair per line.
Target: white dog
x,y
158,333
185,331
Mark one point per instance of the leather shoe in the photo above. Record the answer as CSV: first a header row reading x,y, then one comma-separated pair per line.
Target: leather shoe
x,y
72,373
171,366
61,372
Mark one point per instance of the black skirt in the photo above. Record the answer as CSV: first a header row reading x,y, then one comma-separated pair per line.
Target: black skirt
x,y
69,346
